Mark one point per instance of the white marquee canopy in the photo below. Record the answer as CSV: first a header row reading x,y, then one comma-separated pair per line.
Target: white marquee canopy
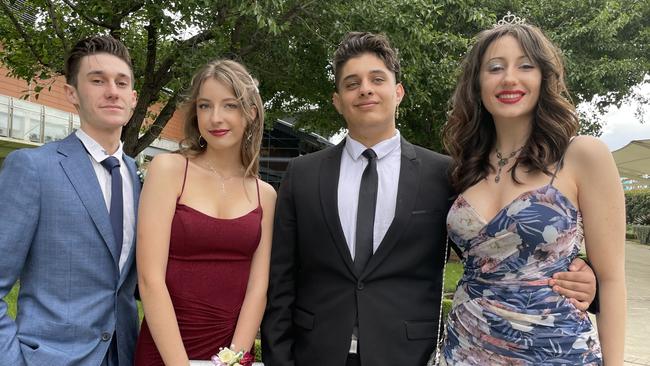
x,y
633,161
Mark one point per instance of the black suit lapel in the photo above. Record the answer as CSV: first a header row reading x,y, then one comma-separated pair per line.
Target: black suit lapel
x,y
329,183
407,190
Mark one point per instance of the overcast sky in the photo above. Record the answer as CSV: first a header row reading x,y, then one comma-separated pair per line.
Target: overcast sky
x,y
622,126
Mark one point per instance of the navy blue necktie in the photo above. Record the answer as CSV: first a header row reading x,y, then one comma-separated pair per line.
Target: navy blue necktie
x,y
366,212
116,210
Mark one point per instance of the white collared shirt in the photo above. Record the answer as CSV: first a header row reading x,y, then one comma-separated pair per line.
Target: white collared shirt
x,y
389,154
97,154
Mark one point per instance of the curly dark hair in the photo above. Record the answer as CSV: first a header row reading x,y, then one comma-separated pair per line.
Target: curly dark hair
x,y
355,44
469,134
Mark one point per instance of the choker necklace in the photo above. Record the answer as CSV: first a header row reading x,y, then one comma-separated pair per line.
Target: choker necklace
x,y
503,161
221,176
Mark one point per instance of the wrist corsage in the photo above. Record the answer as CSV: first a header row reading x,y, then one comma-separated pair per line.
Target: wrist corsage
x,y
228,357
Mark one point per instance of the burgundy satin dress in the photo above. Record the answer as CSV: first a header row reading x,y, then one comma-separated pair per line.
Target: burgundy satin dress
x,y
207,274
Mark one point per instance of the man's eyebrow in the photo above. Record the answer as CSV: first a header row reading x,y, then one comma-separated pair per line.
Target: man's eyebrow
x,y
102,73
376,71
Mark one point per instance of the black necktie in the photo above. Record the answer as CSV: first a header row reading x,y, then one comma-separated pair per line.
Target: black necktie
x,y
366,212
116,211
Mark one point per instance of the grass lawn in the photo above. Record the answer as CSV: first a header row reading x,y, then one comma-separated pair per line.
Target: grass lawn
x,y
11,301
453,273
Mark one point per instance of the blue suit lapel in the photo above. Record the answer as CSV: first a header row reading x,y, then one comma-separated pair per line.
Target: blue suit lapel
x,y
80,172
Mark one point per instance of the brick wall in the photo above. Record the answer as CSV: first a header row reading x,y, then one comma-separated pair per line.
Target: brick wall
x,y
55,98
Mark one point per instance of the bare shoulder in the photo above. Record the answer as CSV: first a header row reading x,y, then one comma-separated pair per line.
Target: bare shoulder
x,y
166,171
267,192
167,163
591,162
587,150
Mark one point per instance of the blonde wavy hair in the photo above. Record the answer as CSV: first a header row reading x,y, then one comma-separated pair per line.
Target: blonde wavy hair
x,y
234,75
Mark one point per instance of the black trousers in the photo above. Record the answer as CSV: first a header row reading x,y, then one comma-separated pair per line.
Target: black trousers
x,y
353,360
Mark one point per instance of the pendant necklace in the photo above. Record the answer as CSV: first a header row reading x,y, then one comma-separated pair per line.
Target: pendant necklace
x,y
503,161
223,179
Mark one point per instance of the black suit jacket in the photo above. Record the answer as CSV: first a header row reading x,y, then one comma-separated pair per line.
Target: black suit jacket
x,y
314,293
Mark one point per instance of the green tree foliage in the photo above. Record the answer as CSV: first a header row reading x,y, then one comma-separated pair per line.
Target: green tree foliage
x,y
287,45
637,206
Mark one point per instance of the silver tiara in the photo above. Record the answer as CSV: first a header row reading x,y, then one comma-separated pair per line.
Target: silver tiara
x,y
510,19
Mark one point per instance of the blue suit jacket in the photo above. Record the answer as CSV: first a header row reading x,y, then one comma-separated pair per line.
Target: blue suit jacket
x,y
55,233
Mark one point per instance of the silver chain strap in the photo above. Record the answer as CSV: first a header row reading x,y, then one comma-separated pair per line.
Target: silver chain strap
x,y
434,360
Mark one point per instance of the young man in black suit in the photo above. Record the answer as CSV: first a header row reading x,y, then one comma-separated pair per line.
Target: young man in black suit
x,y
359,236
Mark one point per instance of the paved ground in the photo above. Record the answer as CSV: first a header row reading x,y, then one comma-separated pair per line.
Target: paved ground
x,y
637,339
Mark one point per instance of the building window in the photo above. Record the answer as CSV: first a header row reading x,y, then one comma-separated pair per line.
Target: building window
x,y
76,123
23,120
57,124
26,121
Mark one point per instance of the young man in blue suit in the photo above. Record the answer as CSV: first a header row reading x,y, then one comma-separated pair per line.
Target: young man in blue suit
x,y
68,226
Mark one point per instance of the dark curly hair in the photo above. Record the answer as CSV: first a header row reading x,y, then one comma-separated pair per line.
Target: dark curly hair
x,y
469,134
355,44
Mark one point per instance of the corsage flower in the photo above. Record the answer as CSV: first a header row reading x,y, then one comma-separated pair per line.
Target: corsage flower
x,y
228,357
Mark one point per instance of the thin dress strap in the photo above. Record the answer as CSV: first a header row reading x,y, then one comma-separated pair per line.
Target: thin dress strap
x,y
259,201
187,161
560,162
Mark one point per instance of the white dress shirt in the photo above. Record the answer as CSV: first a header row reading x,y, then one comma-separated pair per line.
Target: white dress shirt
x,y
389,155
97,154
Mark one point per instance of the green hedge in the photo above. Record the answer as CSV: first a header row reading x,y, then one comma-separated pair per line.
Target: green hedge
x,y
637,207
642,232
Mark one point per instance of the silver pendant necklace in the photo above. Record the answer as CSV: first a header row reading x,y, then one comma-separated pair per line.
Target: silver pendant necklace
x,y
221,176
503,161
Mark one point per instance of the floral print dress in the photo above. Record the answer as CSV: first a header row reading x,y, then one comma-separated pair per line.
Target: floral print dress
x,y
504,312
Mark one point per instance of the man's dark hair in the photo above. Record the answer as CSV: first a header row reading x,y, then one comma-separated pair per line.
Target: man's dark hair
x,y
91,46
355,44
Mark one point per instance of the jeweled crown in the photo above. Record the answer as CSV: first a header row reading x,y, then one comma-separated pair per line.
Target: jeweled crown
x,y
510,19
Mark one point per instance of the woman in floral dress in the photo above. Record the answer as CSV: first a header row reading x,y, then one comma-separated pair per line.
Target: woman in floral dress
x,y
529,194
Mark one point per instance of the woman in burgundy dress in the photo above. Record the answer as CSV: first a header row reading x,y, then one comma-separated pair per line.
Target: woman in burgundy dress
x,y
205,225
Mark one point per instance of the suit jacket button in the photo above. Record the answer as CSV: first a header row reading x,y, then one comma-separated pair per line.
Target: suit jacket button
x,y
106,336
359,285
